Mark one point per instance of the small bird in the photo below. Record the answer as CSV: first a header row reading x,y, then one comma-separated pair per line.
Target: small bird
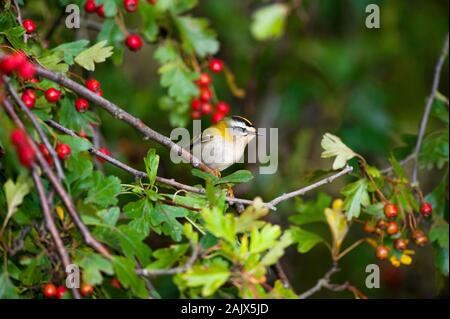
x,y
224,143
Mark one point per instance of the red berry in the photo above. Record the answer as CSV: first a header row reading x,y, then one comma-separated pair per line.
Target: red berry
x,y
82,105
103,151
382,252
382,224
93,85
369,228
34,80
216,117
44,150
27,70
52,95
60,291
29,25
392,228
28,101
101,11
426,209
216,65
63,151
390,210
133,42
27,156
400,244
49,291
196,114
90,6
205,94
30,92
196,105
204,79
206,108
99,92
116,283
223,107
419,238
19,138
11,62
86,290
130,5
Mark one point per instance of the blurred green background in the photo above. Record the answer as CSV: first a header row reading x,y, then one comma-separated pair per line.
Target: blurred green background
x,y
327,73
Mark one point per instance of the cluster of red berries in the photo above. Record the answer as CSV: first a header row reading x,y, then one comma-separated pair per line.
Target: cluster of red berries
x,y
52,291
29,25
27,155
391,228
202,104
91,7
17,62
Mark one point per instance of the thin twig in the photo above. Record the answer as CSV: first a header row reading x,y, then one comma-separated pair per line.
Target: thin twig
x,y
65,198
51,226
428,105
282,275
176,270
37,127
302,191
121,114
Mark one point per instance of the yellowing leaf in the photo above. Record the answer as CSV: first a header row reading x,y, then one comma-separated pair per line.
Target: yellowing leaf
x,y
268,21
60,212
337,222
333,147
95,54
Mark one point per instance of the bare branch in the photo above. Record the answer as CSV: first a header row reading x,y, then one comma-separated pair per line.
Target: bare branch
x,y
51,226
428,105
322,282
37,127
65,198
173,271
302,191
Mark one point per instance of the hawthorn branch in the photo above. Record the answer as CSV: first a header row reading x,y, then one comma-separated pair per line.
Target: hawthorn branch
x,y
64,196
176,270
325,282
428,105
121,114
302,191
51,226
36,125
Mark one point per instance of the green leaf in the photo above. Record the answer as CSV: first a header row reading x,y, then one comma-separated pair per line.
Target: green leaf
x,y
333,147
442,261
241,176
175,6
167,257
165,216
439,234
15,193
141,212
110,32
93,265
277,250
179,80
204,175
219,224
76,121
110,7
102,190
15,36
77,144
109,216
434,152
209,277
166,52
356,196
7,289
80,167
71,49
311,211
197,36
54,62
397,167
151,165
269,21
125,270
131,243
306,240
149,28
95,54
264,239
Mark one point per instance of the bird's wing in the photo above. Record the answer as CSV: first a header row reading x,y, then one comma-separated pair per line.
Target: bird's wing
x,y
203,138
